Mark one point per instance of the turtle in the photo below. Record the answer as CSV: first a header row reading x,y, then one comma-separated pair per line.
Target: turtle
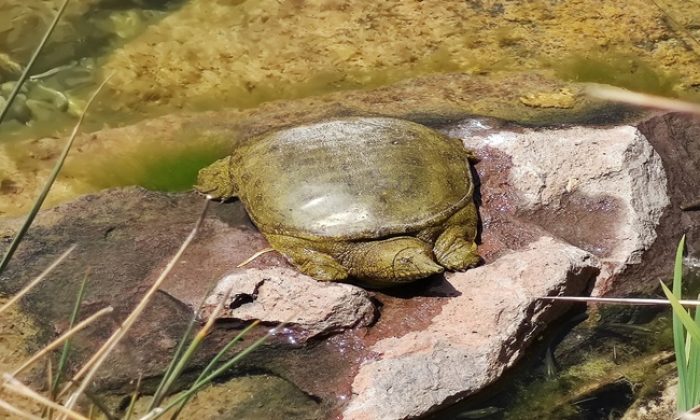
x,y
381,200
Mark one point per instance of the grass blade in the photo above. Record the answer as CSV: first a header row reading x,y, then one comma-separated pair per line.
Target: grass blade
x,y
216,359
96,403
693,359
679,335
32,60
226,348
16,411
173,361
679,348
49,182
625,96
178,352
132,401
192,348
254,256
13,385
65,336
154,414
619,300
682,322
66,345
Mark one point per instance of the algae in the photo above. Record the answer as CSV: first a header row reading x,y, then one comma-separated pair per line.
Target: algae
x,y
266,50
150,165
619,69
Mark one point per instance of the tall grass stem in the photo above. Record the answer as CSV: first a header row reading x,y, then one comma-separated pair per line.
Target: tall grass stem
x,y
63,359
32,60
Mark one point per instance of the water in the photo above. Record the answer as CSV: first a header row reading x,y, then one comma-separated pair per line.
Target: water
x,y
179,56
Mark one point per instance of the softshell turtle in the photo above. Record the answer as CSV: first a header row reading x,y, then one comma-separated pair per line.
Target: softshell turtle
x,y
377,199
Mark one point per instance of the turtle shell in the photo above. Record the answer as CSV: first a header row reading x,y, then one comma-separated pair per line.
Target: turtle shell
x,y
352,178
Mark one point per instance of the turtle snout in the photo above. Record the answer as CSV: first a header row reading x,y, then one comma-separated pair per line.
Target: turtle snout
x,y
215,181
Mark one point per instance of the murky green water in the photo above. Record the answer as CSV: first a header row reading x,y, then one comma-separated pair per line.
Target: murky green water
x,y
172,169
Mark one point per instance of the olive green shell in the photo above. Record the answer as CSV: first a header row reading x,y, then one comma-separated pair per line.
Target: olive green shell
x,y
352,178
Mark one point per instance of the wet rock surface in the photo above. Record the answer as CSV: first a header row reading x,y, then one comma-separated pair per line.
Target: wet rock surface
x,y
557,206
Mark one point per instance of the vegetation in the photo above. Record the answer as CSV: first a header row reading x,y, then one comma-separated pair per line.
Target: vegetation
x,y
686,338
63,395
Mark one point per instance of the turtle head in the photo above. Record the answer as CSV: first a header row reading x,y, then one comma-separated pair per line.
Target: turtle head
x,y
216,180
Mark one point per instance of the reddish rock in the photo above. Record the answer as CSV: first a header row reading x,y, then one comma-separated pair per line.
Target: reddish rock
x,y
479,333
602,189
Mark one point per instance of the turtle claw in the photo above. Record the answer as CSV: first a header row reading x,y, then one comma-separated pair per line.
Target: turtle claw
x,y
392,261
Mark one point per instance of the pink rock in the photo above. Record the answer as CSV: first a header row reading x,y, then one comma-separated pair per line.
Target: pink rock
x,y
478,334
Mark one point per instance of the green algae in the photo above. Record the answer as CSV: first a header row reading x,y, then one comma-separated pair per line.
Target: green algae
x,y
152,166
620,69
176,171
250,95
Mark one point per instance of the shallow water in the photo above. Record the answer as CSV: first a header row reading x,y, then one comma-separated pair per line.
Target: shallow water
x,y
202,55
174,56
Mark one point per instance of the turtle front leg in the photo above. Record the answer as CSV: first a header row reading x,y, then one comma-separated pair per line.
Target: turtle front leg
x,y
455,248
391,261
307,259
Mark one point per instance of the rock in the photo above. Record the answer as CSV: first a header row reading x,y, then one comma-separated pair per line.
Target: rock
x,y
281,294
125,238
479,333
603,190
556,205
659,406
674,137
